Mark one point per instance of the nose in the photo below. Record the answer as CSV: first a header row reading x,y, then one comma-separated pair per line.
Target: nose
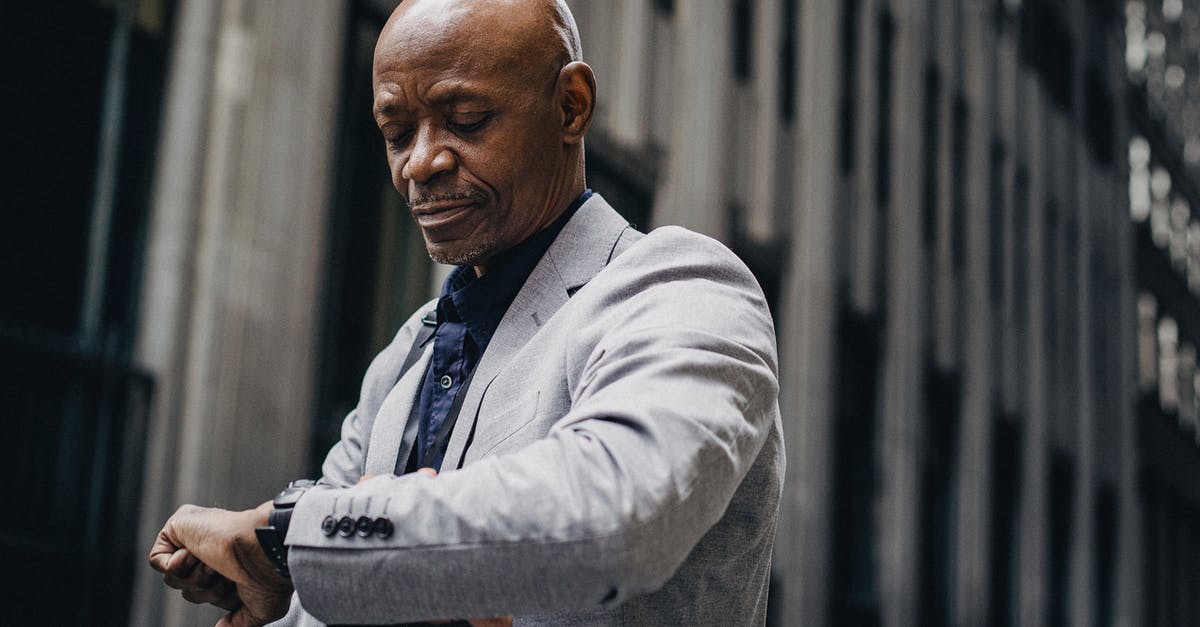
x,y
428,158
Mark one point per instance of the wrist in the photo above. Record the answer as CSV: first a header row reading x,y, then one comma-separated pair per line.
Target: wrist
x,y
272,520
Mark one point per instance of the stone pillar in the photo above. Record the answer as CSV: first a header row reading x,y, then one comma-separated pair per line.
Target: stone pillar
x,y
693,192
765,135
903,359
807,327
170,248
1031,144
236,252
969,602
629,101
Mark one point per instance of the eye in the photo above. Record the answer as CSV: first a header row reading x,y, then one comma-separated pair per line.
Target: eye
x,y
397,138
468,122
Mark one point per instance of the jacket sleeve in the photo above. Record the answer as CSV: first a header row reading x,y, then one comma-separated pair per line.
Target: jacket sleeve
x,y
670,406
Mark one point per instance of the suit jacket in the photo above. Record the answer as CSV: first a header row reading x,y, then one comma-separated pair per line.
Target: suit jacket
x,y
618,457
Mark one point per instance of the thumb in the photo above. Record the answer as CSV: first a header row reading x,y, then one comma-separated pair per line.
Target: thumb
x,y
427,471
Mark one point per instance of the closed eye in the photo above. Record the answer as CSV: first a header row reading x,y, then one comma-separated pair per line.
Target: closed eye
x,y
399,139
468,123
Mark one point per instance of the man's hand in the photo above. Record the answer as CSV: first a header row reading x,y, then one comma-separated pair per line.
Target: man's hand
x,y
213,556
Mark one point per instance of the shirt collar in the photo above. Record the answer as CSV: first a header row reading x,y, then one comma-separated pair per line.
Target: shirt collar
x,y
480,302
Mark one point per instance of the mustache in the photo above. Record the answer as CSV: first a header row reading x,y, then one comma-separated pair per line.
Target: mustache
x,y
429,198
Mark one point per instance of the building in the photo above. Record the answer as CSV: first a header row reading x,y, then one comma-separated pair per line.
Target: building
x,y
972,219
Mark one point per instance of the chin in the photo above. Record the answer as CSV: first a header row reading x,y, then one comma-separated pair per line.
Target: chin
x,y
461,253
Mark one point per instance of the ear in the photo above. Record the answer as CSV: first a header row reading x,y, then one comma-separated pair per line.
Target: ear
x,y
577,97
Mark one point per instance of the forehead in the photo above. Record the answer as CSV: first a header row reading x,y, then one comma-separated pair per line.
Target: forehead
x,y
444,48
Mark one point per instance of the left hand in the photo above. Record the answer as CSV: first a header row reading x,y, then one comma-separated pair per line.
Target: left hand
x,y
224,543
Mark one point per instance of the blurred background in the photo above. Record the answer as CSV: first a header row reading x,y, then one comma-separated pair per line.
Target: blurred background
x,y
972,219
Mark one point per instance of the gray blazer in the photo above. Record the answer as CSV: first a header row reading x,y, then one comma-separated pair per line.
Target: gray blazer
x,y
625,465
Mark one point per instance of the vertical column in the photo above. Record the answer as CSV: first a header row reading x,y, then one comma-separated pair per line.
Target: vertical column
x,y
233,424
862,202
694,190
903,346
629,80
809,303
1087,208
766,133
1032,141
1130,551
161,345
970,599
943,39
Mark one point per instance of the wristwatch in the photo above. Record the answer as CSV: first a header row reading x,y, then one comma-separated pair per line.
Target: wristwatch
x,y
271,537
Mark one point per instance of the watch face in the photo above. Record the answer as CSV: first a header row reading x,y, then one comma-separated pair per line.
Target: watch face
x,y
292,493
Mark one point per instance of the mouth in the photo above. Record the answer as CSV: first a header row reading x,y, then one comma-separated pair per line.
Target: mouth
x,y
437,214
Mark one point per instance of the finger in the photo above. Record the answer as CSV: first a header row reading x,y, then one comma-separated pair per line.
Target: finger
x,y
223,595
162,552
364,478
179,569
199,577
427,471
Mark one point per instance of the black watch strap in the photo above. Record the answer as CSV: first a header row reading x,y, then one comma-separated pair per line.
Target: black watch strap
x,y
272,536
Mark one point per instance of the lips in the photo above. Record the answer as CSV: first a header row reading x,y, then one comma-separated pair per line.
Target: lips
x,y
438,214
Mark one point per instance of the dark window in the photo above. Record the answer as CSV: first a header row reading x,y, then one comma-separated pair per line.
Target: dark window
x,y
854,590
743,40
1006,481
849,88
1046,45
1105,523
942,398
788,55
1060,505
1098,118
86,83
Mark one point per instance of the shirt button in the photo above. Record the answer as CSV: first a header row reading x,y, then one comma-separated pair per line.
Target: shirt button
x,y
446,382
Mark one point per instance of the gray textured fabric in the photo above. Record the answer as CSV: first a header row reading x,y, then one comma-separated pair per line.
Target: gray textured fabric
x,y
626,465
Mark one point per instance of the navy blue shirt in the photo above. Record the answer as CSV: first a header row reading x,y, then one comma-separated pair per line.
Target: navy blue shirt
x,y
468,312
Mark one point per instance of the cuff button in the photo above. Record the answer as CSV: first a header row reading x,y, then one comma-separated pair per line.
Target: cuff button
x,y
383,527
329,525
346,526
363,526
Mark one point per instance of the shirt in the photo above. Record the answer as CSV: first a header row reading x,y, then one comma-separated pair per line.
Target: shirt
x,y
468,312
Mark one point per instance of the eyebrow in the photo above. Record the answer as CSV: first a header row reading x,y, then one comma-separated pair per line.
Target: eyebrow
x,y
455,94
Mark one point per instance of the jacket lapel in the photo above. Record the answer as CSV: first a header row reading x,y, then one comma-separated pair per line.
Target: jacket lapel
x,y
579,252
389,431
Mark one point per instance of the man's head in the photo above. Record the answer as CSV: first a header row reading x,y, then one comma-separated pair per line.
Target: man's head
x,y
483,105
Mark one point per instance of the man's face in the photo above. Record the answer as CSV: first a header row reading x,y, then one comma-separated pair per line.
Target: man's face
x,y
472,130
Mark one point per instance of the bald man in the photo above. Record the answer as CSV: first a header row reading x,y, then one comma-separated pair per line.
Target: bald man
x,y
582,429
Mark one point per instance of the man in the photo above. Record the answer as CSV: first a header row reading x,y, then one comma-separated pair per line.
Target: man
x,y
600,404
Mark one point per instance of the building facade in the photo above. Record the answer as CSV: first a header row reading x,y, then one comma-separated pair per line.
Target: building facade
x,y
972,221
